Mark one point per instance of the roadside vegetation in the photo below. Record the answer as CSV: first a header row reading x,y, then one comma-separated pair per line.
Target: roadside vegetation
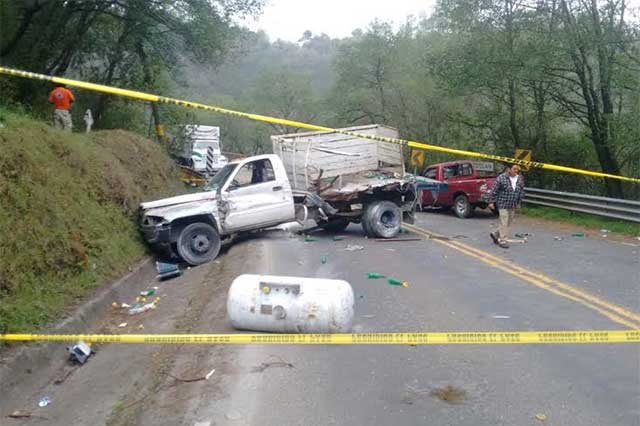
x,y
583,219
69,204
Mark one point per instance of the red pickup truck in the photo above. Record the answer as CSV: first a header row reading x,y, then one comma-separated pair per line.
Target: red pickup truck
x,y
469,185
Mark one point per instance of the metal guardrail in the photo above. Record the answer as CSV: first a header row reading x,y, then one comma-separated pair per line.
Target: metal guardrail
x,y
602,206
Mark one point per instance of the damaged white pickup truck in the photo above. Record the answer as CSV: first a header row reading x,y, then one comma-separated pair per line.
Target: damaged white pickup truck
x,y
331,178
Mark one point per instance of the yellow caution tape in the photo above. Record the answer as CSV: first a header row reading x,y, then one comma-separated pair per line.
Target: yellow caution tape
x,y
426,338
273,120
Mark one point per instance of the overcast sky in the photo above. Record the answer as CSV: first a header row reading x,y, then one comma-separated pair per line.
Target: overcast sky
x,y
288,19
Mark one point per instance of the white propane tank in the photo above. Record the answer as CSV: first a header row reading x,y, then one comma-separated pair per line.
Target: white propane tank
x,y
290,304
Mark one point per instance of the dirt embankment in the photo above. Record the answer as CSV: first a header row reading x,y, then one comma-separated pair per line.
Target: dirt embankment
x,y
68,204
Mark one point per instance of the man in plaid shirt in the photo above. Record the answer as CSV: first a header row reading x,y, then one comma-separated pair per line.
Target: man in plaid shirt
x,y
506,196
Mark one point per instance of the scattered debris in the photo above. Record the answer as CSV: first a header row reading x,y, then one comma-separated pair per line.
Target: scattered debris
x,y
140,309
17,414
459,237
578,235
149,292
509,240
375,275
524,235
141,327
190,380
167,270
309,239
449,394
122,325
338,238
80,352
541,417
393,281
353,247
500,316
323,259
605,231
209,374
368,316
44,401
558,238
280,363
391,240
390,249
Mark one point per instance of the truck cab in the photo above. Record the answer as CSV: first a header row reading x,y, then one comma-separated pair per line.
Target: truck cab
x,y
468,186
250,194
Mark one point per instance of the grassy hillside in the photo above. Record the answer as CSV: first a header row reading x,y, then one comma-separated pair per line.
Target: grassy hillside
x,y
67,213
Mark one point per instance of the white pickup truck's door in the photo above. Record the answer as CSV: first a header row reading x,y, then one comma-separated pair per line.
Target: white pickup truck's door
x,y
257,196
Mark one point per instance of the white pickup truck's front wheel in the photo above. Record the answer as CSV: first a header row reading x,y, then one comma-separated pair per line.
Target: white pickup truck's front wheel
x,y
198,243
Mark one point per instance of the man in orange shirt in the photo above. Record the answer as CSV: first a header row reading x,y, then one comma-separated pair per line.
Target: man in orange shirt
x,y
62,98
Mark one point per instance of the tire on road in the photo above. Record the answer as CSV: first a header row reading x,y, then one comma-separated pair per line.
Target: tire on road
x,y
382,219
198,243
462,207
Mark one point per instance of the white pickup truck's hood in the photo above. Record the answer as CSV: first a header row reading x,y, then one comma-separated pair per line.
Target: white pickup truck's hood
x,y
180,199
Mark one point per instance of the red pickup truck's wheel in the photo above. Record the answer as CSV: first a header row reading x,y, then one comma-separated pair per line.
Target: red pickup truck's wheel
x,y
462,207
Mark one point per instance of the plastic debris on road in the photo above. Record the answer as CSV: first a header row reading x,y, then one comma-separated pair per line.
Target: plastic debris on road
x,y
578,235
122,325
149,292
209,374
558,238
309,239
80,352
167,270
353,247
524,235
44,401
500,316
541,417
140,309
375,275
323,259
338,238
393,281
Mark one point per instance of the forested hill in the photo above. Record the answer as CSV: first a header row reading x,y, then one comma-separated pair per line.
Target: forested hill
x,y
561,78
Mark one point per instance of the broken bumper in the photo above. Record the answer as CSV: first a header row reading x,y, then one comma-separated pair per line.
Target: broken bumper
x,y
157,234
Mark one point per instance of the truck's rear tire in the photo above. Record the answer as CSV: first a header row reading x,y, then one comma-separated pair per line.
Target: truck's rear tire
x,y
382,219
198,243
462,207
335,225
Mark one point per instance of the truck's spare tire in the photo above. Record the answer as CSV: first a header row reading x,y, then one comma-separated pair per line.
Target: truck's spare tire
x,y
382,219
198,243
334,225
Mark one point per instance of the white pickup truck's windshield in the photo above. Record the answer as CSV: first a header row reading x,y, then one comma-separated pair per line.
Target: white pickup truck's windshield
x,y
220,178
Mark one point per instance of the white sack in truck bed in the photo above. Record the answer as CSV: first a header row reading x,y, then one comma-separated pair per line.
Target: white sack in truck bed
x,y
313,155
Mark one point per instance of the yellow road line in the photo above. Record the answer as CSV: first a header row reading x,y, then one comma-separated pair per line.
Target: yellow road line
x,y
417,338
612,311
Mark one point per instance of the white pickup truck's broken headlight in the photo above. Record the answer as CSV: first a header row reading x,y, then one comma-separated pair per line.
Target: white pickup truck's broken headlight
x,y
152,221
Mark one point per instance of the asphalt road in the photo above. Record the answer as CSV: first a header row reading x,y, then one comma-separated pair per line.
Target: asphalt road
x,y
465,284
